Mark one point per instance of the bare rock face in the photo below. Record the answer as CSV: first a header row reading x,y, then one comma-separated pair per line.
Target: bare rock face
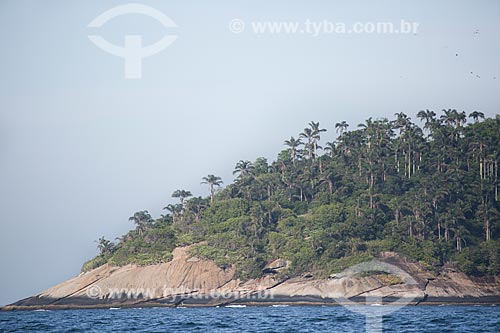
x,y
192,281
134,284
448,283
276,266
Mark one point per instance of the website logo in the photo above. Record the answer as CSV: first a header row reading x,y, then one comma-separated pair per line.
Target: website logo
x,y
132,51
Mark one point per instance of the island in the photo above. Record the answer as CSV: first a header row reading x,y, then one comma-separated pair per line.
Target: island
x,y
420,203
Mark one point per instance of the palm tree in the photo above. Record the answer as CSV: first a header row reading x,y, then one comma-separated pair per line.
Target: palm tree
x,y
142,220
294,145
328,178
448,117
454,118
476,115
309,135
341,127
429,117
244,168
175,210
104,246
316,131
164,219
461,119
212,182
181,194
196,206
332,148
402,122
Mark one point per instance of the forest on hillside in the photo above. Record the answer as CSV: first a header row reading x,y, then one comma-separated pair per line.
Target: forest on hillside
x,y
427,191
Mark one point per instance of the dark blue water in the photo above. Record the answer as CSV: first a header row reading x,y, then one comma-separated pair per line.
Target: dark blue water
x,y
252,319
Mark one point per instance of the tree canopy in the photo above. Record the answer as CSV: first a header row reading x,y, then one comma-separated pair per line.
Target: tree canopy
x,y
429,192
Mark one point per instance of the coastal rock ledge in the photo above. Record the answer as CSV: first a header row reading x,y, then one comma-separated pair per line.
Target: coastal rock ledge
x,y
190,281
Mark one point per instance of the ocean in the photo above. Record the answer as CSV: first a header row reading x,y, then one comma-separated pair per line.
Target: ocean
x,y
288,319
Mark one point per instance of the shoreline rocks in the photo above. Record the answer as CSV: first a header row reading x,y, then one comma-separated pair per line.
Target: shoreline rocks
x,y
185,281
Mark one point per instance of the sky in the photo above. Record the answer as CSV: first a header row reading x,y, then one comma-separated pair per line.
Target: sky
x,y
82,147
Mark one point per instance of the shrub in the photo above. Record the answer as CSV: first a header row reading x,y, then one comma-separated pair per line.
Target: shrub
x,y
94,263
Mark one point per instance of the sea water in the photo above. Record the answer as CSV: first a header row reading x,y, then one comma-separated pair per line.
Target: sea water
x,y
253,319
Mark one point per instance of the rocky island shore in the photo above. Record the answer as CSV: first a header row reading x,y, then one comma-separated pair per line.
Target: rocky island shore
x,y
421,203
190,281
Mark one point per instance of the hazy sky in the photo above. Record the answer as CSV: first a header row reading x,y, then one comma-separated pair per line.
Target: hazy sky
x,y
82,148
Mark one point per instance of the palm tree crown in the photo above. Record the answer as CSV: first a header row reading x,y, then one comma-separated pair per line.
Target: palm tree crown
x,y
212,182
181,194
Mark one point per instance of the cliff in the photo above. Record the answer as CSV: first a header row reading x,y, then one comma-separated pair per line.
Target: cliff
x,y
189,281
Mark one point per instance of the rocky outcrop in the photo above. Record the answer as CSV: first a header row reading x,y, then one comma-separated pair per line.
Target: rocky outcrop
x,y
191,281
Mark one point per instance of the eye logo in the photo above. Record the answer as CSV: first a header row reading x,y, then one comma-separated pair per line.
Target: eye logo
x,y
374,315
132,51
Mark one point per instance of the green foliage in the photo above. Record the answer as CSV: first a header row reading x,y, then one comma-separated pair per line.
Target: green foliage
x,y
221,211
390,279
340,264
429,193
426,252
94,263
481,260
152,245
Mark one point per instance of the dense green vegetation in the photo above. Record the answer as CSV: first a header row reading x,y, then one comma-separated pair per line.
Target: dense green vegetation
x,y
428,192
